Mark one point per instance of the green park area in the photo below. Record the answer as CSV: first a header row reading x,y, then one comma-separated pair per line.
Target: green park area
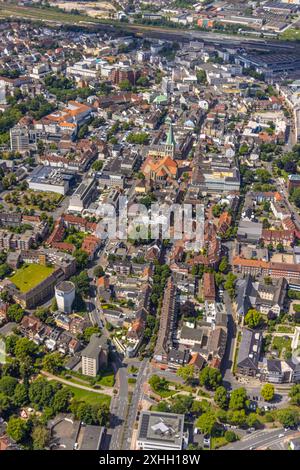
x,y
30,275
92,398
290,34
42,14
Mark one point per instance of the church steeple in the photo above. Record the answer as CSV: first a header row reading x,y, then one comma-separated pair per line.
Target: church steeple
x,y
170,142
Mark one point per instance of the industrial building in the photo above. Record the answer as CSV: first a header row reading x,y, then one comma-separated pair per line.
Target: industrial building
x,y
47,178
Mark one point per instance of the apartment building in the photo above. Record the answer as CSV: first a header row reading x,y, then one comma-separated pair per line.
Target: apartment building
x,y
94,356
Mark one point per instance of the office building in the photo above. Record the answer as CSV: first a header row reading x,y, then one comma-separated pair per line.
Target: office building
x,y
82,196
160,431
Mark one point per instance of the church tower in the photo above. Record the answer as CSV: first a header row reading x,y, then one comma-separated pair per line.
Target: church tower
x,y
170,142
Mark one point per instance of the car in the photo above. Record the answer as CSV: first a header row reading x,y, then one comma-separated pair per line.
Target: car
x,y
206,440
251,448
281,435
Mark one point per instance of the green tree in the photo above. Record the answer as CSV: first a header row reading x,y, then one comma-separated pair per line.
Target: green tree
x,y
25,348
294,394
236,417
253,318
230,436
53,363
125,85
186,372
140,138
20,397
244,149
17,428
210,377
82,258
288,417
103,414
98,271
158,383
295,197
143,81
41,393
206,422
229,284
10,344
238,399
82,283
97,165
201,77
8,385
267,392
40,437
15,313
89,331
252,420
221,398
61,400
5,405
223,266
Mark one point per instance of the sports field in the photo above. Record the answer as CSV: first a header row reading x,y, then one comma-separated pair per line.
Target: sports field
x,y
30,275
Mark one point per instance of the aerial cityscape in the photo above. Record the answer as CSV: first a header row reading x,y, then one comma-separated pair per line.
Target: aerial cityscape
x,y
150,225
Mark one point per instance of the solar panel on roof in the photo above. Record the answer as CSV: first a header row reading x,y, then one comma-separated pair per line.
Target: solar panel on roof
x,y
144,426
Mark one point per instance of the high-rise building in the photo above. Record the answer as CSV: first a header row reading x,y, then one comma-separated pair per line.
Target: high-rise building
x,y
94,356
19,139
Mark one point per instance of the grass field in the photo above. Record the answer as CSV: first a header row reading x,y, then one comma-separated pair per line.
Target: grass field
x,y
290,34
89,397
30,275
44,14
107,379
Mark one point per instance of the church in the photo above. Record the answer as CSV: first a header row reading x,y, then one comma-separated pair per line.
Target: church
x,y
160,165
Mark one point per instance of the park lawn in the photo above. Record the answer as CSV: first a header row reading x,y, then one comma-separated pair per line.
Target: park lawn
x,y
107,379
89,397
290,34
30,275
42,14
164,393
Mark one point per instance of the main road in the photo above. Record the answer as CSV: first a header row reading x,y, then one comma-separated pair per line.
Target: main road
x,y
267,438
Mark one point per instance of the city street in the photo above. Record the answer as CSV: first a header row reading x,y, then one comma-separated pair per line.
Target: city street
x,y
267,438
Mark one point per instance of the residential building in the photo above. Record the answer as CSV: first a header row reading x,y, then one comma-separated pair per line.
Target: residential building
x,y
94,356
249,352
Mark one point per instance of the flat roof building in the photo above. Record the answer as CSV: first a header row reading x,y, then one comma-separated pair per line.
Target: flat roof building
x,y
160,431
82,196
47,178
